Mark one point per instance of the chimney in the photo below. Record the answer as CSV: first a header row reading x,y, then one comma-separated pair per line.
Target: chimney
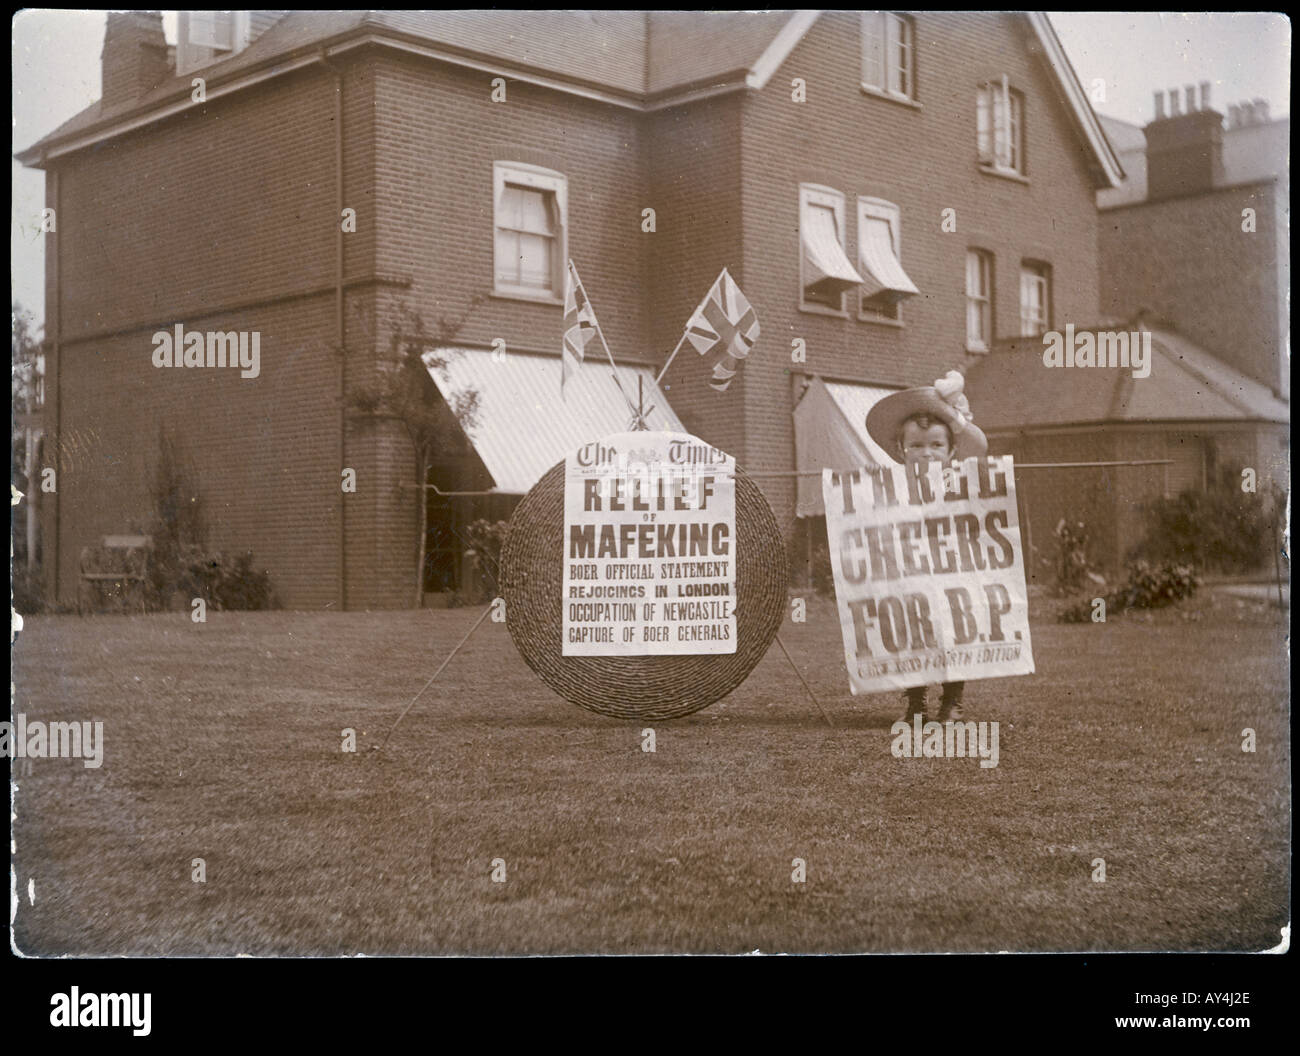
x,y
1184,151
134,58
1160,105
1205,95
1261,111
1174,111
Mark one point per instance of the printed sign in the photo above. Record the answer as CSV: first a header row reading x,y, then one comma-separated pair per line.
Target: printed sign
x,y
929,574
649,547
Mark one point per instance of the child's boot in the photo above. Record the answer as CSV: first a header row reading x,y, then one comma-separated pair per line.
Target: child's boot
x,y
915,698
950,709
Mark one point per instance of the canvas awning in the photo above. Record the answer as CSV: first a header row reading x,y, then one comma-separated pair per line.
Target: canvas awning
x,y
830,433
826,267
522,426
883,275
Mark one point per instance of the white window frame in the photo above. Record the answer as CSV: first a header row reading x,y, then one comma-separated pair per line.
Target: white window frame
x,y
1035,274
982,341
1006,130
880,209
889,54
520,174
812,194
239,31
186,47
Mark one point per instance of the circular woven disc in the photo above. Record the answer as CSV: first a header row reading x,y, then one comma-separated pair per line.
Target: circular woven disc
x,y
637,687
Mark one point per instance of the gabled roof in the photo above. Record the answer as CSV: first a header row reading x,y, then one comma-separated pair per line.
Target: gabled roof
x,y
1011,390
634,59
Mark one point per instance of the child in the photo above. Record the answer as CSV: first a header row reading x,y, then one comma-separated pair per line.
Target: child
x,y
915,427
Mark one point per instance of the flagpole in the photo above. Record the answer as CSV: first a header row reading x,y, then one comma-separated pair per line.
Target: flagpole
x,y
600,334
673,355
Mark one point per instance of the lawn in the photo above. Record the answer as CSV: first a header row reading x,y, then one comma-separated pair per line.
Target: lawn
x,y
223,742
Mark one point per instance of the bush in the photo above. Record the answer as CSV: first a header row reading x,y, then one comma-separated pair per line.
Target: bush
x,y
179,562
1071,565
1145,587
225,582
485,539
1224,530
27,590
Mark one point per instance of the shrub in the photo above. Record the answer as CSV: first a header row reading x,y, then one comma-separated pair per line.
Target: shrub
x,y
1223,530
27,589
485,540
179,562
1071,565
1145,587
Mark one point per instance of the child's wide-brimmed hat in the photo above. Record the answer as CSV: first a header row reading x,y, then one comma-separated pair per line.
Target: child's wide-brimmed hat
x,y
943,400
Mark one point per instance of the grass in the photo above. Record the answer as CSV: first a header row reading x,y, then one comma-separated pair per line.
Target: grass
x,y
222,741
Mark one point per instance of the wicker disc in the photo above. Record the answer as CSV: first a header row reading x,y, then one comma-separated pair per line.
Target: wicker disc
x,y
637,687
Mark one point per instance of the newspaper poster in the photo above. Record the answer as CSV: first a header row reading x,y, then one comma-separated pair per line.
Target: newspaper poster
x,y
929,573
649,547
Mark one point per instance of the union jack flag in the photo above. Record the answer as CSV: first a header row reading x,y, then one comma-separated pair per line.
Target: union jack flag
x,y
579,325
724,322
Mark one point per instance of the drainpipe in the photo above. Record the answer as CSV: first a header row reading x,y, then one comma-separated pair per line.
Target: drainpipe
x,y
52,324
338,315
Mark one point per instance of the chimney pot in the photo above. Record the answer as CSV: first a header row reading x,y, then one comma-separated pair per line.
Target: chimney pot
x,y
1184,153
1189,93
1160,105
1174,108
1205,95
1234,115
1261,111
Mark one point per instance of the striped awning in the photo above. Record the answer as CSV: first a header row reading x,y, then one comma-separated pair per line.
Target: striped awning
x,y
522,425
825,265
830,432
883,275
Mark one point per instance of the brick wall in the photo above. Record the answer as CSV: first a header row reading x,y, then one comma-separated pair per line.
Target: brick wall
x,y
1188,261
1113,500
692,156
437,135
222,218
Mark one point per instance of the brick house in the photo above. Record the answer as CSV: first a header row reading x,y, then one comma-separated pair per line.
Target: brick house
x,y
1193,245
894,193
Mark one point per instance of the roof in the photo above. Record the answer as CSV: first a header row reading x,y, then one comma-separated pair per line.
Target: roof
x,y
1250,153
1011,390
640,60
523,426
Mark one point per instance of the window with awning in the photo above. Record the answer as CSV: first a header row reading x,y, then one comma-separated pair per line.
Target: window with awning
x,y
825,270
884,282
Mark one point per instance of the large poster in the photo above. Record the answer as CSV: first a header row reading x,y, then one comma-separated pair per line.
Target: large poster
x,y
929,574
649,547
